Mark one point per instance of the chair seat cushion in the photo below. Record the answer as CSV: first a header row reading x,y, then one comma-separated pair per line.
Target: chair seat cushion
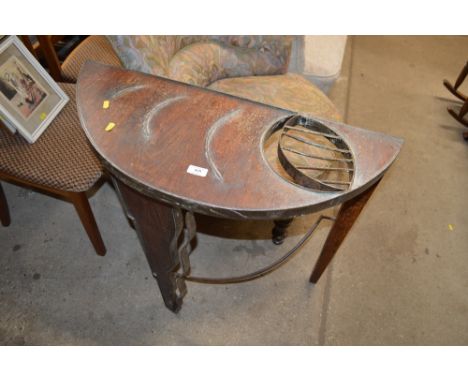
x,y
289,91
61,158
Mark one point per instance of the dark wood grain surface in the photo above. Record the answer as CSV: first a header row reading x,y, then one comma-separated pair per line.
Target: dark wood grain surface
x,y
162,127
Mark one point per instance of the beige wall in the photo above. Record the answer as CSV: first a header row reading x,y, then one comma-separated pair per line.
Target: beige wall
x,y
318,58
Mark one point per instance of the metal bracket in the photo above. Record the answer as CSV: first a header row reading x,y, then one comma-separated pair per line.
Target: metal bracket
x,y
184,250
185,228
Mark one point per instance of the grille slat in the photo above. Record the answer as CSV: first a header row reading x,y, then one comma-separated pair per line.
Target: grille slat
x,y
310,151
307,142
316,156
324,168
312,132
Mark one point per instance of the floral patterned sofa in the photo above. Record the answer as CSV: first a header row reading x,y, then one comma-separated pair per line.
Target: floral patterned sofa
x,y
253,67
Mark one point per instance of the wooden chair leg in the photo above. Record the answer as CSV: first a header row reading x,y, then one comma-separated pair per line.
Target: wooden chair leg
x,y
4,213
461,77
348,214
454,88
454,91
458,117
80,201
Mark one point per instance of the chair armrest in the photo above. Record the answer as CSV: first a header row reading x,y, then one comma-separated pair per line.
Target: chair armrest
x,y
94,48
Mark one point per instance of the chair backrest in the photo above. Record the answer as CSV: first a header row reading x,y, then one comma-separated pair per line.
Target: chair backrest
x,y
201,60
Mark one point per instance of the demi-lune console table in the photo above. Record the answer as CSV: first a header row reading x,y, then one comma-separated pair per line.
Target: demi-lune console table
x,y
174,149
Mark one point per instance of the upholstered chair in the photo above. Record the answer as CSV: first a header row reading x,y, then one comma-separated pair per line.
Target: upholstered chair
x,y
61,162
254,67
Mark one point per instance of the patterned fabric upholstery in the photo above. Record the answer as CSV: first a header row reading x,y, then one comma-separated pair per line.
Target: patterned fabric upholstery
x,y
201,60
246,66
289,91
96,48
61,158
203,63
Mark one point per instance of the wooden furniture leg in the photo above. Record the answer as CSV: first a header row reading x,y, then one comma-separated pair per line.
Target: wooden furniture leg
x,y
53,63
461,76
27,43
460,117
454,89
4,213
280,230
81,204
347,215
158,226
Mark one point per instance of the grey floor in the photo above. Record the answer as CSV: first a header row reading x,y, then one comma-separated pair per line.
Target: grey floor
x,y
401,277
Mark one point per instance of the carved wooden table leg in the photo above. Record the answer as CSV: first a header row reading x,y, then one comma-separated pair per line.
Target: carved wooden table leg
x,y
348,214
158,226
279,230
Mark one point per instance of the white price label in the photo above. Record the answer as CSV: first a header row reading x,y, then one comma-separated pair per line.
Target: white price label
x,y
198,171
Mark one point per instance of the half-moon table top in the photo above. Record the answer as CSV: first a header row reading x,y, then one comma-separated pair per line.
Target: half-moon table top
x,y
203,150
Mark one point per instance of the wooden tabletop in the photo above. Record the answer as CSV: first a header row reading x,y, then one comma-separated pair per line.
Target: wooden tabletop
x,y
203,150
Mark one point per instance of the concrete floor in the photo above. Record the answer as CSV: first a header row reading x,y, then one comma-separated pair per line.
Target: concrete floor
x,y
401,277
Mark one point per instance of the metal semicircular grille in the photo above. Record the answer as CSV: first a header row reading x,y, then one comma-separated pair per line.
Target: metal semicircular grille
x,y
315,156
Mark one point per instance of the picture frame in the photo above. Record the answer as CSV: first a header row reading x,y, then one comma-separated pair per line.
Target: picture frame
x,y
4,122
29,98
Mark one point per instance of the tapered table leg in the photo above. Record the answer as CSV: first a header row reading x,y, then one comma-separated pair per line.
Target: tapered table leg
x,y
158,226
348,214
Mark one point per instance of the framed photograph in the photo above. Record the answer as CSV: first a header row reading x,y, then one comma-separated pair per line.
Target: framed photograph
x,y
29,98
